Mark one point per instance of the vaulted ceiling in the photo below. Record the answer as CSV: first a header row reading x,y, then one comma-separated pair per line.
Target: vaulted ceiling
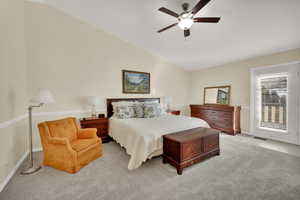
x,y
248,28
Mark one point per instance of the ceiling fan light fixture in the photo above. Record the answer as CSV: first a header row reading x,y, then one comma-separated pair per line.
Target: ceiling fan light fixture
x,y
185,23
187,18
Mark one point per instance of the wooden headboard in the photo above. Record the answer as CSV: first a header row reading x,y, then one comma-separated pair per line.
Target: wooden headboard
x,y
109,102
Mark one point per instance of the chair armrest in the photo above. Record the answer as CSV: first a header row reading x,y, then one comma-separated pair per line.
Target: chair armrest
x,y
56,140
87,133
61,141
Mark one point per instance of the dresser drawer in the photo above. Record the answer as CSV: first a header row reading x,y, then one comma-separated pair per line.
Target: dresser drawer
x,y
94,126
226,115
224,123
208,112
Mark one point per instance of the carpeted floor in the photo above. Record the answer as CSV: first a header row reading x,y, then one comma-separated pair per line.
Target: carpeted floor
x,y
243,171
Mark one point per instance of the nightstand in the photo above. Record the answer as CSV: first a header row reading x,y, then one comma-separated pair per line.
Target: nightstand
x,y
100,123
174,112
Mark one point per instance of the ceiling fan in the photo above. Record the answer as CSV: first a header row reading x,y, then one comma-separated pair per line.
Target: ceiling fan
x,y
187,18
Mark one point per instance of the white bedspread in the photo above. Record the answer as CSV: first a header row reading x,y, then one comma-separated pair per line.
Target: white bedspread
x,y
141,137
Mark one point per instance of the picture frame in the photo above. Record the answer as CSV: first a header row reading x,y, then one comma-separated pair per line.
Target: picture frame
x,y
135,82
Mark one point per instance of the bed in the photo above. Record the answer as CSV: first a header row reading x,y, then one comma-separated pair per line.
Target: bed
x,y
142,137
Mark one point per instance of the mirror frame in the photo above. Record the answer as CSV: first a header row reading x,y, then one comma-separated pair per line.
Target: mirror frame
x,y
223,86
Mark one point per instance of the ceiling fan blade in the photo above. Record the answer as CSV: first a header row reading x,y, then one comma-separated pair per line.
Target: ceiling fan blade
x,y
199,6
207,19
169,12
187,33
170,26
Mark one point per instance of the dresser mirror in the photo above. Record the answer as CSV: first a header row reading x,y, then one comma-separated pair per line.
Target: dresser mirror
x,y
217,95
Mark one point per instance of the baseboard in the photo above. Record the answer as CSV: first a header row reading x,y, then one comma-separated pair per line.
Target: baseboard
x,y
13,171
245,132
37,149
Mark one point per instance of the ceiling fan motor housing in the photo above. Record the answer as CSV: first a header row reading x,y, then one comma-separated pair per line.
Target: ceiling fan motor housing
x,y
185,7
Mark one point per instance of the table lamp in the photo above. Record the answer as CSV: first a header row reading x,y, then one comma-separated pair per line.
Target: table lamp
x,y
93,101
167,102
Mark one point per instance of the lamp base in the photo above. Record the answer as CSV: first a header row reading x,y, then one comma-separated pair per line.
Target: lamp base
x,y
31,170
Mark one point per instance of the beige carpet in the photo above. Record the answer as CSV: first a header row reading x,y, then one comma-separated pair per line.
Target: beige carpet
x,y
243,171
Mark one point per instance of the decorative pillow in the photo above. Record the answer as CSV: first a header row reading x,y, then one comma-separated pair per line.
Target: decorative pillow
x,y
152,110
160,110
124,111
139,110
151,102
121,103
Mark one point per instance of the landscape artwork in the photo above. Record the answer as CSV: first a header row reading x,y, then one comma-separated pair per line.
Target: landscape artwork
x,y
136,82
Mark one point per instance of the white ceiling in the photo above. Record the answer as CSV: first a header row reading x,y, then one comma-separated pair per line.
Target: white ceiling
x,y
247,28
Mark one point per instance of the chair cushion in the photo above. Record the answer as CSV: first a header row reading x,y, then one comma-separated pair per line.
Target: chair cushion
x,y
81,144
65,128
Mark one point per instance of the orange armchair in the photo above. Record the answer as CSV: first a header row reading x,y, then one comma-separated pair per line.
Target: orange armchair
x,y
66,146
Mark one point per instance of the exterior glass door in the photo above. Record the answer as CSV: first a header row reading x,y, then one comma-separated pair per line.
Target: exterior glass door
x,y
274,102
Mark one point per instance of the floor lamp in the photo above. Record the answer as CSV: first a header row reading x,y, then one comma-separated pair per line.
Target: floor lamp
x,y
44,96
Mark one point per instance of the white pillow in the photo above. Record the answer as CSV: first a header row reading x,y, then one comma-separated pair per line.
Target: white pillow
x,y
124,112
163,110
152,110
128,109
151,102
138,109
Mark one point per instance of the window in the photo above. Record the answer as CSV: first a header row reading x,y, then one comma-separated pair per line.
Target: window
x,y
273,93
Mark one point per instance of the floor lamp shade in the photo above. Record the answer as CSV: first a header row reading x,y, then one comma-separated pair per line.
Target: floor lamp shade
x,y
44,96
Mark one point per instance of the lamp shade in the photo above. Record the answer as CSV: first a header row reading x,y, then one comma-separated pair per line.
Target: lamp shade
x,y
166,102
93,100
43,96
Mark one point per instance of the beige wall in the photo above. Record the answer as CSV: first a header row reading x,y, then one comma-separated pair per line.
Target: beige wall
x,y
237,75
74,59
13,85
13,77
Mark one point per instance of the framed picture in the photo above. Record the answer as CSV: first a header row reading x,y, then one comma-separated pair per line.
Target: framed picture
x,y
136,82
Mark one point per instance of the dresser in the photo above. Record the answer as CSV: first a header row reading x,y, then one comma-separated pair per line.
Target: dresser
x,y
221,117
101,124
